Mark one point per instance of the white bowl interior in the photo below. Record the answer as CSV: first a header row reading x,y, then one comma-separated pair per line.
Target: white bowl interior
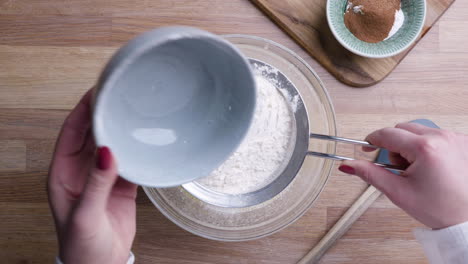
x,y
176,111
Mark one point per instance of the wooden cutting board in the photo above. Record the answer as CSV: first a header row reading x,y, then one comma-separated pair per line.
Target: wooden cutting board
x,y
306,22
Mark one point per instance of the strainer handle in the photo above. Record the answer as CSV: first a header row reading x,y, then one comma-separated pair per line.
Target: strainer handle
x,y
344,140
349,141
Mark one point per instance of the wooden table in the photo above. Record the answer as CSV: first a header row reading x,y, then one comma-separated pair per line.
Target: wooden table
x,y
51,52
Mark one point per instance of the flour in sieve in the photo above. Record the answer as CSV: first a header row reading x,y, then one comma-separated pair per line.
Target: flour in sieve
x,y
261,156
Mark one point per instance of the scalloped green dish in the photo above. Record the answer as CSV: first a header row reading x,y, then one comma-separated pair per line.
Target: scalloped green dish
x,y
415,15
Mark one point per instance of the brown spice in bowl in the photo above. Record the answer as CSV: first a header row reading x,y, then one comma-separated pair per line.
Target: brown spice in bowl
x,y
371,20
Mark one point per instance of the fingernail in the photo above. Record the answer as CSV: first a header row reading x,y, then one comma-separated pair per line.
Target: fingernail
x,y
347,169
103,159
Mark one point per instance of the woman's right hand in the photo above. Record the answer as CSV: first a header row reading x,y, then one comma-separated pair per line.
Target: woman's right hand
x,y
434,188
93,208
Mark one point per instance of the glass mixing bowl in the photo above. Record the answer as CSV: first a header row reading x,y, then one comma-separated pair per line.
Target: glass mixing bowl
x,y
247,223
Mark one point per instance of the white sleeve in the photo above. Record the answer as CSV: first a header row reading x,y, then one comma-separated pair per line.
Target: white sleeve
x,y
445,246
131,259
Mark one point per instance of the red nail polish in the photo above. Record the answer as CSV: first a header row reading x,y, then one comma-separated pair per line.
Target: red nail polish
x,y
103,159
347,169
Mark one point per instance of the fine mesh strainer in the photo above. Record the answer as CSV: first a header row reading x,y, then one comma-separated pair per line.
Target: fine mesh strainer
x,y
298,150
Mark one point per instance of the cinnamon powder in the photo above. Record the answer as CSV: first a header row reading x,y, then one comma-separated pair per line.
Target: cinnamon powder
x,y
371,20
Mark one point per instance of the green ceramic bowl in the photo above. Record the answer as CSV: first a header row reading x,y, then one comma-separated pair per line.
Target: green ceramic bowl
x,y
415,14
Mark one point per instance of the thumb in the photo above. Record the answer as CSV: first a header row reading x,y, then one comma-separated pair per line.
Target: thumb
x,y
390,184
101,181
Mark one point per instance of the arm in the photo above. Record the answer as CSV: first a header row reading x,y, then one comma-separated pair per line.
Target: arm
x,y
433,189
448,245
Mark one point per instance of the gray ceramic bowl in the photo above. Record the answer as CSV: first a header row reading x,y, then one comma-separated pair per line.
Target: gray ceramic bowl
x,y
173,104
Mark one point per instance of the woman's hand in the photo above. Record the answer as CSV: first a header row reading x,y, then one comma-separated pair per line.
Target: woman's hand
x,y
434,188
94,209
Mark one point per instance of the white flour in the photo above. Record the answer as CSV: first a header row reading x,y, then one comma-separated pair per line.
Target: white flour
x,y
257,161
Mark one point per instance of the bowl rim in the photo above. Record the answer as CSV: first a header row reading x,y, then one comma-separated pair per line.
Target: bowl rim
x,y
367,55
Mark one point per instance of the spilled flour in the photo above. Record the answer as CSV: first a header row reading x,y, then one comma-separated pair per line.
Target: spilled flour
x,y
261,156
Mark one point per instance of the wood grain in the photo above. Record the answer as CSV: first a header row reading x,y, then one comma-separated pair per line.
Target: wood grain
x,y
125,28
393,222
48,77
62,30
13,153
306,22
341,226
23,187
30,123
371,251
23,225
39,154
41,80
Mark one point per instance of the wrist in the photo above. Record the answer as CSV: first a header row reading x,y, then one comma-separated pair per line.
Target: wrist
x,y
449,222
